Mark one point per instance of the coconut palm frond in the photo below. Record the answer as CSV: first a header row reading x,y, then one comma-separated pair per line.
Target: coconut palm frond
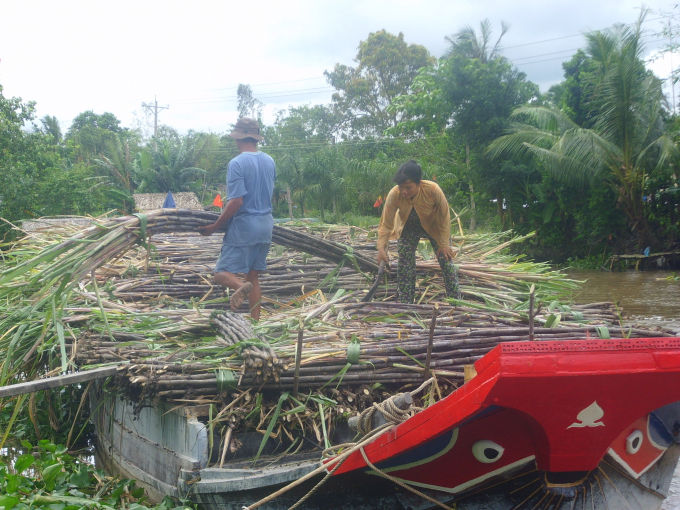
x,y
666,147
516,143
544,118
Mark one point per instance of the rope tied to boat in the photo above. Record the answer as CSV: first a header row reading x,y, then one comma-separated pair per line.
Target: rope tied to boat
x,y
392,413
340,453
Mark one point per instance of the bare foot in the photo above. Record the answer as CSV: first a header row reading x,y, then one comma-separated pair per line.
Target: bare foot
x,y
240,295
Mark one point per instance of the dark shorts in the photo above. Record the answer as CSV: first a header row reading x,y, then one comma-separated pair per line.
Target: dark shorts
x,y
242,259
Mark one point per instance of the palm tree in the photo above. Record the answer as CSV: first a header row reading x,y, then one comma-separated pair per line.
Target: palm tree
x,y
466,42
468,45
626,141
326,172
171,166
117,165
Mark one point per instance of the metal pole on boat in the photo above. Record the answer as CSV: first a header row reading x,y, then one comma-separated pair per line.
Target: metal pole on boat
x,y
298,357
531,312
433,322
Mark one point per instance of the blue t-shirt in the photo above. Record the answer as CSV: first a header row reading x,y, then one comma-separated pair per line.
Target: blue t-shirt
x,y
251,175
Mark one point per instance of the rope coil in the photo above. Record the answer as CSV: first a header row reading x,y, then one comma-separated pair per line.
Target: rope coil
x,y
392,413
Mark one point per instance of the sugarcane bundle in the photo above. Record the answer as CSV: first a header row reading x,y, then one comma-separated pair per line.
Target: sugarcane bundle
x,y
99,296
348,343
260,362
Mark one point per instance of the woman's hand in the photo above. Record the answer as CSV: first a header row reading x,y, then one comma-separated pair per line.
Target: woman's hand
x,y
446,252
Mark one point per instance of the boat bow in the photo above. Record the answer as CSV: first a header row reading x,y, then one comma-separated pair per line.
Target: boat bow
x,y
563,403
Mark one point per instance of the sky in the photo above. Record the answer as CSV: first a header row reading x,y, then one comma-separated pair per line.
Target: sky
x,y
76,55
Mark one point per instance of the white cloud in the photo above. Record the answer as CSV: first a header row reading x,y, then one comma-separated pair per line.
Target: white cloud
x,y
75,55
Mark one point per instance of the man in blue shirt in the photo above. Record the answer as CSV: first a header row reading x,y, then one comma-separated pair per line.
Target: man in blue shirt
x,y
248,218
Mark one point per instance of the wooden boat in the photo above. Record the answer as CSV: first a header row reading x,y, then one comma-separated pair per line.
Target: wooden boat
x,y
550,424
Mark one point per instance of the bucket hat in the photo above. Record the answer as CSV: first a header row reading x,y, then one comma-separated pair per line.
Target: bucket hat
x,y
246,128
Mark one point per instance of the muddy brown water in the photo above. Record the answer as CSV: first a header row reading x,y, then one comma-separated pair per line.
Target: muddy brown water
x,y
646,297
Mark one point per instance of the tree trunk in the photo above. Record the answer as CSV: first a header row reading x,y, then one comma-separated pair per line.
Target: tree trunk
x,y
473,213
630,200
290,202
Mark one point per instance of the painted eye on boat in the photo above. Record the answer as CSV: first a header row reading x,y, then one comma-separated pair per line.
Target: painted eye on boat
x,y
486,451
634,442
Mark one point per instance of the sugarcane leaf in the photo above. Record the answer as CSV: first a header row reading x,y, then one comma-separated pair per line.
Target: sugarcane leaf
x,y
602,332
410,357
256,407
272,422
319,398
211,430
297,409
326,443
59,329
552,321
339,375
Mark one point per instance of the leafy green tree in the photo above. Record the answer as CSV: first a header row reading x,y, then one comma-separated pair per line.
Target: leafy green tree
x,y
386,67
91,134
626,143
50,127
293,140
35,178
576,91
466,99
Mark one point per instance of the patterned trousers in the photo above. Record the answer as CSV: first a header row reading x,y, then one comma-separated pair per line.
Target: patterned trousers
x,y
406,271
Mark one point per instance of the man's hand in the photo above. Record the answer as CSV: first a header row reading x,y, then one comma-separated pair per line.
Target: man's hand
x,y
208,229
383,257
446,252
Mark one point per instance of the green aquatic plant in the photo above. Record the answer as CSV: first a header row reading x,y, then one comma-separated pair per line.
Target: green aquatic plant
x,y
46,476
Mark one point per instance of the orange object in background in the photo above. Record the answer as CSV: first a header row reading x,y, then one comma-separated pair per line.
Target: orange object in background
x,y
217,202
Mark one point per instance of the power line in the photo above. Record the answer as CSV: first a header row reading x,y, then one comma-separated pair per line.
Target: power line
x,y
569,36
275,95
290,93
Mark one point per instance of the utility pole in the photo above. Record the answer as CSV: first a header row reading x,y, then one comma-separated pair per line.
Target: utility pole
x,y
154,107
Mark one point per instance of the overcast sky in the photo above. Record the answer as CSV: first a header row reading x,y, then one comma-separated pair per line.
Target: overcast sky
x,y
70,56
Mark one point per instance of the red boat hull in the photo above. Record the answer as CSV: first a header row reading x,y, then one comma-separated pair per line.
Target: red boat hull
x,y
555,407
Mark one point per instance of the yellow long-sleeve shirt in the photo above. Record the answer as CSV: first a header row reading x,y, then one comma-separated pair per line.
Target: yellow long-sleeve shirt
x,y
431,207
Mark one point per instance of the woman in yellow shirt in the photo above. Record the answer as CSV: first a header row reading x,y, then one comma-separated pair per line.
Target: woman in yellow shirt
x,y
416,208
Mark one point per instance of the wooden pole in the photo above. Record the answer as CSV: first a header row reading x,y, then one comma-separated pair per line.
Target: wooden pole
x,y
298,358
57,381
428,357
531,313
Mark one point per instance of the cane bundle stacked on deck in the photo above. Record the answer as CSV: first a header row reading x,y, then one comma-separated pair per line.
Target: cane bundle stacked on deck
x,y
109,294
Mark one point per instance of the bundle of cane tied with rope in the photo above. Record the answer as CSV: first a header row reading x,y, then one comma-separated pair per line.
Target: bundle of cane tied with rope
x,y
259,359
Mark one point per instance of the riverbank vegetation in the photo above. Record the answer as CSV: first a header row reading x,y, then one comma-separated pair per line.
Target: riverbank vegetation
x,y
44,475
591,165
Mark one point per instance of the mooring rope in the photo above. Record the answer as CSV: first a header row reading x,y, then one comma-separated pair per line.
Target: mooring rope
x,y
388,408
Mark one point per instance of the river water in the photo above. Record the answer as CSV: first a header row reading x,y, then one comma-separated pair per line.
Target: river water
x,y
646,297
